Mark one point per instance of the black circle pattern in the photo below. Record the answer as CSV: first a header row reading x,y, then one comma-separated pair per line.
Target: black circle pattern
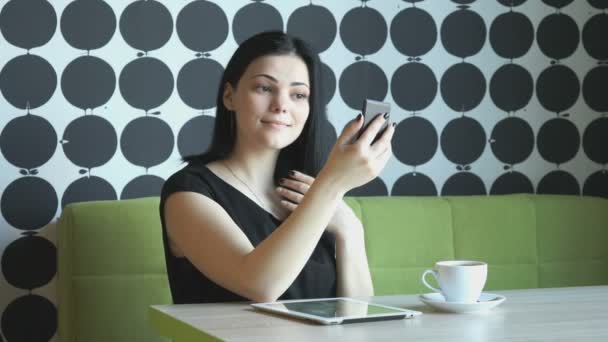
x,y
320,35
414,86
147,141
329,83
558,183
360,81
202,16
463,33
463,183
511,87
146,83
463,140
558,140
511,35
255,18
557,3
96,135
592,36
571,94
28,141
557,36
29,262
88,24
142,186
39,315
363,39
88,82
595,81
376,187
512,140
86,189
195,135
511,183
557,88
512,3
19,30
27,81
415,141
463,86
414,184
146,25
197,82
34,193
597,184
599,4
595,140
413,32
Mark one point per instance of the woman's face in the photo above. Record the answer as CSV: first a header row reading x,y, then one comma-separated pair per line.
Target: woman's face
x,y
270,101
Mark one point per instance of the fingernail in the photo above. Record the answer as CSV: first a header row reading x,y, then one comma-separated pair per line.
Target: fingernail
x,y
292,173
359,116
386,115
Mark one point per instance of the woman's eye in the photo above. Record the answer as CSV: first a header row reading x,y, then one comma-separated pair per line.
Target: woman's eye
x,y
301,96
264,88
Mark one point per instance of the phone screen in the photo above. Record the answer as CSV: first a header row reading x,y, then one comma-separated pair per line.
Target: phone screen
x,y
370,110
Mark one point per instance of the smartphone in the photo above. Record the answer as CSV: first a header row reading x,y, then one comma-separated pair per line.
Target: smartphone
x,y
370,110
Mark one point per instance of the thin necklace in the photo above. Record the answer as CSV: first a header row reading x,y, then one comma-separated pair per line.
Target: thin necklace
x,y
260,202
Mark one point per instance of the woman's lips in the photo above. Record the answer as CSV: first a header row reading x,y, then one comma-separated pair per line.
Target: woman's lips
x,y
275,124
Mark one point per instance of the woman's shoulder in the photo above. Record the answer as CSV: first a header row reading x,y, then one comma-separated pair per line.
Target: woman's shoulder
x,y
194,177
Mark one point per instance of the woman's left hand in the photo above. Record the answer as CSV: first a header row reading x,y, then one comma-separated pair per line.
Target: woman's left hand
x,y
293,189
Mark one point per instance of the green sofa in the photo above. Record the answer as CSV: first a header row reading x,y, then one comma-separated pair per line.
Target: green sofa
x,y
111,264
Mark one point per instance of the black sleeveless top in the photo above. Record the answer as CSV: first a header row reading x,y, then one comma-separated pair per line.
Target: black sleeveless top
x,y
188,285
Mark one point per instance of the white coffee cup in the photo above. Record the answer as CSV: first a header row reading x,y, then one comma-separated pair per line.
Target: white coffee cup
x,y
459,280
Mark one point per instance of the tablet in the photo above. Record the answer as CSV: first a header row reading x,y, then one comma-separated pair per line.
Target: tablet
x,y
335,310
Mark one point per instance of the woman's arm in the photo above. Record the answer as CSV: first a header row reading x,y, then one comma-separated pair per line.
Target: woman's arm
x,y
354,278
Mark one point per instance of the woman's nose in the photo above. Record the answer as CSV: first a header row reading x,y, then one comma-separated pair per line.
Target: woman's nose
x,y
279,103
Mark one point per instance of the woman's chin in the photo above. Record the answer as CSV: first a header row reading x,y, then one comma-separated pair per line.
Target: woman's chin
x,y
277,142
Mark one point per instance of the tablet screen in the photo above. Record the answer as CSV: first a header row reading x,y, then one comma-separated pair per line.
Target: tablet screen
x,y
335,308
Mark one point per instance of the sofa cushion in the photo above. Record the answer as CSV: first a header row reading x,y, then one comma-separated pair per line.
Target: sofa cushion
x,y
115,307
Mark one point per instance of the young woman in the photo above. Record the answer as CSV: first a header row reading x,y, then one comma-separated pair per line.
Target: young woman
x,y
260,215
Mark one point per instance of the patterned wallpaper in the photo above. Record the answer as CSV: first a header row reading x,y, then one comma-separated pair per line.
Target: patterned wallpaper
x,y
99,99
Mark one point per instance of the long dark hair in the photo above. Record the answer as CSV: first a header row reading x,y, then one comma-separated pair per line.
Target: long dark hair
x,y
308,152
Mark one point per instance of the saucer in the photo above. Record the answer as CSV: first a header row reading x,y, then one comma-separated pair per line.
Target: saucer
x,y
486,301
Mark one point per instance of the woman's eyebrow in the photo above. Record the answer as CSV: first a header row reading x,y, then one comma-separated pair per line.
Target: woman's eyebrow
x,y
276,81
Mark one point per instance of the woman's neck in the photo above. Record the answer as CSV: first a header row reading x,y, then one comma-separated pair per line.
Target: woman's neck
x,y
252,171
255,166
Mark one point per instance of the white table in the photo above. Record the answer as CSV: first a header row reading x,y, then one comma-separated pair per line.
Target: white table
x,y
556,314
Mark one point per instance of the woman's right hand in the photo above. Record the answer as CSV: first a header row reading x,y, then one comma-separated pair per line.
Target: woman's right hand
x,y
351,162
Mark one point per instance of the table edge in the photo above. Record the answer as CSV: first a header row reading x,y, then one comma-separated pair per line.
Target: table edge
x,y
175,329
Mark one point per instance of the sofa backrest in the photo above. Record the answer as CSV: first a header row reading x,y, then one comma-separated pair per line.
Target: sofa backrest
x,y
111,261
111,269
528,240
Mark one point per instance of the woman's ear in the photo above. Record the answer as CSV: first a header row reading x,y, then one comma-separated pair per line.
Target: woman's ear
x,y
227,97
